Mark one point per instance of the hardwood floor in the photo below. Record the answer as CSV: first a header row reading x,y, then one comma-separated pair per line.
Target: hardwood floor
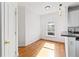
x,y
36,49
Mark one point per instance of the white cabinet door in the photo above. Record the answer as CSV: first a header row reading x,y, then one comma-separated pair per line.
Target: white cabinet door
x,y
77,48
10,42
71,47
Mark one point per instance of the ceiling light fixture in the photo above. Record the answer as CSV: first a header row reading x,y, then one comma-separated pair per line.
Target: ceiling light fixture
x,y
60,10
48,7
60,4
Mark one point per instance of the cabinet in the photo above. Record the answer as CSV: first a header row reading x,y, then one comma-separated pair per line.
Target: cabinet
x,y
71,47
77,48
73,16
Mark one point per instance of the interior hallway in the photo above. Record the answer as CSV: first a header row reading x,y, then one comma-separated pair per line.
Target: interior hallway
x,y
43,48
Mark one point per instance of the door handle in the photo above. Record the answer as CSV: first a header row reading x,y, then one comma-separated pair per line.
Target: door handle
x,y
7,42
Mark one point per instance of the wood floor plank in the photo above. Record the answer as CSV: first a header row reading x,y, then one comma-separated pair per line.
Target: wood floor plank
x,y
33,49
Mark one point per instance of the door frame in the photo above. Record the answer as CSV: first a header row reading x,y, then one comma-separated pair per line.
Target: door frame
x,y
2,27
16,29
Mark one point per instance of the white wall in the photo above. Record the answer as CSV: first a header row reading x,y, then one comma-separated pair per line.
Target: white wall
x,y
60,24
29,26
74,17
21,25
32,26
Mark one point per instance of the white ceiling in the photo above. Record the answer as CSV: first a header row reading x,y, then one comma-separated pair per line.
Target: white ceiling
x,y
39,7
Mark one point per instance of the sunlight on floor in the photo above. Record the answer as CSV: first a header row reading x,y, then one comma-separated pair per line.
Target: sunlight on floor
x,y
47,50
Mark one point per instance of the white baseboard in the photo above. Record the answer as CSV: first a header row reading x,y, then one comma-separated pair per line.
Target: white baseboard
x,y
32,42
45,38
53,39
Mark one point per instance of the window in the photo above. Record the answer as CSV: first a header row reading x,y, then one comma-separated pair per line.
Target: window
x,y
51,28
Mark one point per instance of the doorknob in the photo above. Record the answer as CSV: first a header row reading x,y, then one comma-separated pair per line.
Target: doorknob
x,y
7,42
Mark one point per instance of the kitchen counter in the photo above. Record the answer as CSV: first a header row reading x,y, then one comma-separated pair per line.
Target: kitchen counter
x,y
69,34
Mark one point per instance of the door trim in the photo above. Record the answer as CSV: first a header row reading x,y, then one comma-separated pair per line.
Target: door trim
x,y
2,27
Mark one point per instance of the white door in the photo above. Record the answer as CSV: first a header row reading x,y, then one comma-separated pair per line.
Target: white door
x,y
10,36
